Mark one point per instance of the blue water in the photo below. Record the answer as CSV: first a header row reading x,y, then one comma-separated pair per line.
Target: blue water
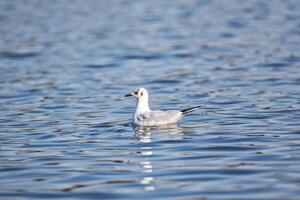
x,y
65,66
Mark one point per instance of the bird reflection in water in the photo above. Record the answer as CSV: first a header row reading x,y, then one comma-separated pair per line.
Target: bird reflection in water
x,y
143,134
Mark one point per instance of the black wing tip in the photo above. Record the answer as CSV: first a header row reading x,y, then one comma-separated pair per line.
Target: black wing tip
x,y
188,110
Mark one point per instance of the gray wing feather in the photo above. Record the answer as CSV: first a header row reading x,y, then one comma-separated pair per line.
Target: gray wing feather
x,y
158,117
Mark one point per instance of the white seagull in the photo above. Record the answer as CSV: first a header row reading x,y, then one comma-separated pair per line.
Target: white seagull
x,y
144,116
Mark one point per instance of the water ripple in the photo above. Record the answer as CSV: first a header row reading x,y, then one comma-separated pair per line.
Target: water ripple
x,y
65,127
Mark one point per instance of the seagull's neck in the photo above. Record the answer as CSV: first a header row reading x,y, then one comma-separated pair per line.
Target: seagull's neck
x,y
142,105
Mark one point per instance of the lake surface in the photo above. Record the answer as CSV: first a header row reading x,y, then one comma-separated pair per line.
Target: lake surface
x,y
64,124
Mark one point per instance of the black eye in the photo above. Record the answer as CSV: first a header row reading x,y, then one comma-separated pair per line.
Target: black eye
x,y
141,93
135,93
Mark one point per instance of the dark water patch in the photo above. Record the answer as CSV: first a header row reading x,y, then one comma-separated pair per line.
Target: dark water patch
x,y
227,102
230,148
99,66
143,57
10,169
53,107
292,59
164,81
241,172
273,65
15,96
74,187
18,55
150,19
214,49
237,24
54,195
179,47
183,55
227,35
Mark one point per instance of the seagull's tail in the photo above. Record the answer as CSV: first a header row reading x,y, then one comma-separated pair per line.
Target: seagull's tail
x,y
188,110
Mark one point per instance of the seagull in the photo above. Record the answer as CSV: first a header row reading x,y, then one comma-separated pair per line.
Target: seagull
x,y
144,116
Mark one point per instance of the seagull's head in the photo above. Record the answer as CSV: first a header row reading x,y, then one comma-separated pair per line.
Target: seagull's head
x,y
138,93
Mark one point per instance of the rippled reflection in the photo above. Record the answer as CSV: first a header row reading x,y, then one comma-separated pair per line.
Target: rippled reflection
x,y
170,129
144,136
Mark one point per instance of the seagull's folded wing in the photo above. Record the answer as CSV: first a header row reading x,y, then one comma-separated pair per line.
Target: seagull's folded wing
x,y
161,117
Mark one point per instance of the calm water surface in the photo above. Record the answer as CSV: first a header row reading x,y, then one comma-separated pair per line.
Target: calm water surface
x,y
65,66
